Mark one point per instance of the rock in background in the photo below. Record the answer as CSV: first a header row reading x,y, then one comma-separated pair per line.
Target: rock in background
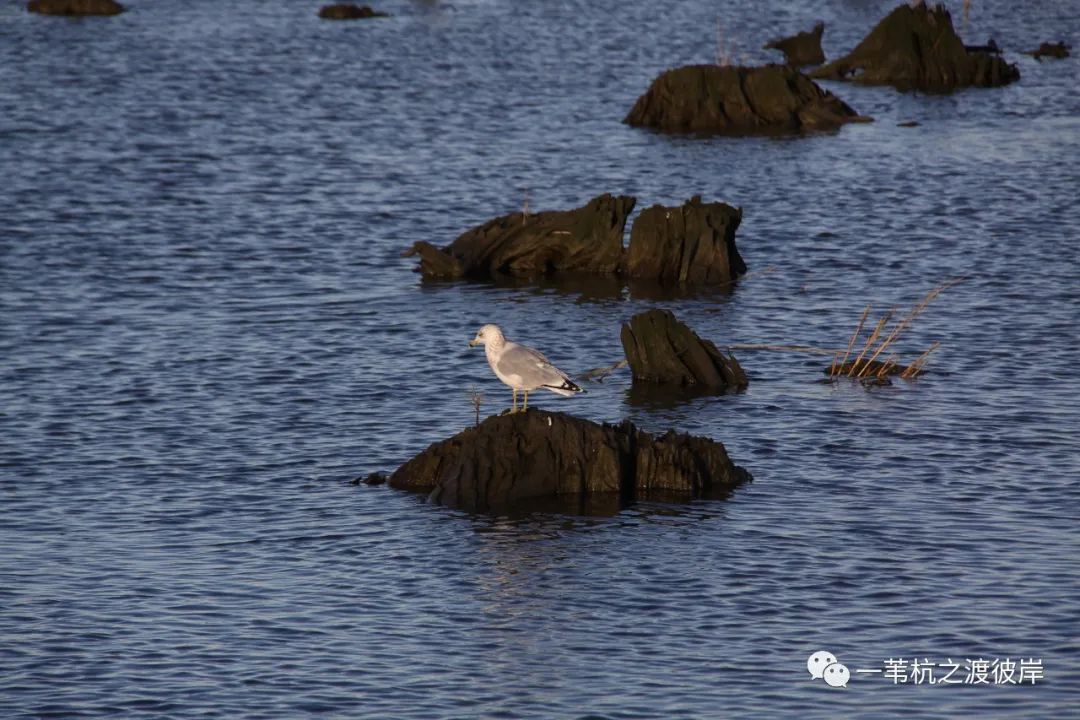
x,y
916,48
348,11
1058,51
588,239
694,243
738,100
661,349
75,7
801,49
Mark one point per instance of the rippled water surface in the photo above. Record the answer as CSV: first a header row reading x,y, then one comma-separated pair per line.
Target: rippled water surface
x,y
207,330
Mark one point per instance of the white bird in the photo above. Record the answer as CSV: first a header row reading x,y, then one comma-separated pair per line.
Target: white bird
x,y
520,367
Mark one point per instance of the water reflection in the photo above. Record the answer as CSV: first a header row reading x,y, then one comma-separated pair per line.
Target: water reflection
x,y
593,288
654,396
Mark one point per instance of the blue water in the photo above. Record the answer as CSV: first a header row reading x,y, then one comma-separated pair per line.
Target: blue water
x,y
207,330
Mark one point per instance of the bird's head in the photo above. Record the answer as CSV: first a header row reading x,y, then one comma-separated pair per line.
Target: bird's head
x,y
488,335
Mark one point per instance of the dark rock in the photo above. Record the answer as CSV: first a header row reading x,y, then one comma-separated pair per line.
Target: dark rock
x,y
436,264
908,124
75,7
738,100
694,243
588,239
348,11
375,478
801,49
916,48
661,349
1059,51
522,459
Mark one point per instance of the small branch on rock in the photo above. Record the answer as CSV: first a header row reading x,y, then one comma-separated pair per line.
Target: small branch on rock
x,y
598,374
477,398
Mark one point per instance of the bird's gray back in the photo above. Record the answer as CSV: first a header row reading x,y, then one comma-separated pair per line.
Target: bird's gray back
x,y
531,366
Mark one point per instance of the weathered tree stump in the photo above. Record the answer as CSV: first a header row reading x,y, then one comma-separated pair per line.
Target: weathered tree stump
x,y
738,100
694,243
916,48
521,460
663,350
584,240
801,49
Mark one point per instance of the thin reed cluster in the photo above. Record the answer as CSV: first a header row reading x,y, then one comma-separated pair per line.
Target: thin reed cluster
x,y
879,341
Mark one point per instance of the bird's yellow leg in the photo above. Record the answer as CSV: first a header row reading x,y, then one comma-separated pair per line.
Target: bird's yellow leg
x,y
526,402
513,408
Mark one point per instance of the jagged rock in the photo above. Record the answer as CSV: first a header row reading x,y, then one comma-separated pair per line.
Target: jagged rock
x,y
587,239
519,460
661,349
989,47
348,11
436,264
694,243
75,7
916,48
801,49
1059,51
738,100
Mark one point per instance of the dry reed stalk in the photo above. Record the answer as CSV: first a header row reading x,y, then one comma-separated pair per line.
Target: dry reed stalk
x,y
834,366
906,321
885,368
854,337
916,367
723,58
870,342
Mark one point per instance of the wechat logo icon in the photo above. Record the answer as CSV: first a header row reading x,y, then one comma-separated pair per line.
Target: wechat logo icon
x,y
824,666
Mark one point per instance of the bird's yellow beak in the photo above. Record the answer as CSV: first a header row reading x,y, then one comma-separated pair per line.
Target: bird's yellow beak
x,y
473,342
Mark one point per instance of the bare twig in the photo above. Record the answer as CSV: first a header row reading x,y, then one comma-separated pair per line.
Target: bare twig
x,y
476,397
598,374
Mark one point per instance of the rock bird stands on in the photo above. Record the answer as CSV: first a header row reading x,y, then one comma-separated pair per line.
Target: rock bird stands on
x,y
520,367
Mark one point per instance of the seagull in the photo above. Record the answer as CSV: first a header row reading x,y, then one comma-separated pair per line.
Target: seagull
x,y
520,367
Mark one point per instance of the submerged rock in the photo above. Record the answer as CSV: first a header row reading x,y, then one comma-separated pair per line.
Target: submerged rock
x,y
348,11
801,49
75,7
694,243
738,100
587,239
1059,51
521,460
661,349
916,48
